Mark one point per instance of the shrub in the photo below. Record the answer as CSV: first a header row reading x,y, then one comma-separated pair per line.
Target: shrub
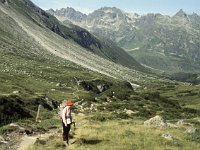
x,y
195,136
99,117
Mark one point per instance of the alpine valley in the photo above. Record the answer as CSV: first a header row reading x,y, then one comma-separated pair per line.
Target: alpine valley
x,y
134,80
160,42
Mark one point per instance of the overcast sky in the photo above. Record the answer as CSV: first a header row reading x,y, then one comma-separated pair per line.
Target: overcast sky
x,y
167,7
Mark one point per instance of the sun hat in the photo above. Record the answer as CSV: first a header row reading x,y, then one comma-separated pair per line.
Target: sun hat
x,y
69,103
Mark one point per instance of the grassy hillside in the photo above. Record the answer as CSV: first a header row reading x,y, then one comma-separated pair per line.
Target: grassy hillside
x,y
113,128
81,36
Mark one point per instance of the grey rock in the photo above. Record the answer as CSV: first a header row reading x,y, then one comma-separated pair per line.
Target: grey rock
x,y
16,92
100,88
183,123
170,125
167,136
180,122
2,140
129,112
157,122
190,130
17,126
58,84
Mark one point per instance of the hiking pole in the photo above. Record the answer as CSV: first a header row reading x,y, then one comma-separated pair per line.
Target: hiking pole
x,y
74,123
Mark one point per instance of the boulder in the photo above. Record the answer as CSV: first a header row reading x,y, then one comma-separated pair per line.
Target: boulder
x,y
16,126
129,112
190,130
183,123
16,92
170,125
180,122
58,84
2,140
157,122
93,107
27,130
102,87
96,86
167,136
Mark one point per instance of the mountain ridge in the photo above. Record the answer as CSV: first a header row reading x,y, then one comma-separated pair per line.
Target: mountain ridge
x,y
60,47
172,40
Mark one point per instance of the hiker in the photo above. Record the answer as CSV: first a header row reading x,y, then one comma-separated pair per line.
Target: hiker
x,y
67,121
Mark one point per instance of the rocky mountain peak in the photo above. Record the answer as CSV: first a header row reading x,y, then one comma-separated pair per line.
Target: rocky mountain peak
x,y
181,13
110,10
195,15
50,11
69,13
107,13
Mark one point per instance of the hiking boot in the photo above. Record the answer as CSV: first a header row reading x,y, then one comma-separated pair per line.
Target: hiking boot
x,y
65,143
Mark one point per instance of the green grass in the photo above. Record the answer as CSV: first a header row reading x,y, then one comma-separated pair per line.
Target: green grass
x,y
122,134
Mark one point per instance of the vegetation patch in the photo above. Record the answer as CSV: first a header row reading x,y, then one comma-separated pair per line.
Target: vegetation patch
x,y
195,136
12,108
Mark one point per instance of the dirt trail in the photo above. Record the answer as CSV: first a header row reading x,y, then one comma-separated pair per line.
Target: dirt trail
x,y
27,141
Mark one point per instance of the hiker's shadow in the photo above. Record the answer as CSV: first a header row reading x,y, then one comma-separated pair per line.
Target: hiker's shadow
x,y
88,141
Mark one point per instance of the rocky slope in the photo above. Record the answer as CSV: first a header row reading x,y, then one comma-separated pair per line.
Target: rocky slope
x,y
157,41
33,28
80,36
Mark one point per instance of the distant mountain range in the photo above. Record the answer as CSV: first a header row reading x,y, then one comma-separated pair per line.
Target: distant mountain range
x,y
163,43
28,32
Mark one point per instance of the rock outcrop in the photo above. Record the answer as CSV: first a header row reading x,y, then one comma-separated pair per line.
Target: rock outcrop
x,y
158,122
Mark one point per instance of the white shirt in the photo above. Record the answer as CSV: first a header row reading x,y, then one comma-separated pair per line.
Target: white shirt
x,y
66,113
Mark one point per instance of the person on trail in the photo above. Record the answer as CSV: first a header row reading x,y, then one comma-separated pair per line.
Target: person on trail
x,y
66,121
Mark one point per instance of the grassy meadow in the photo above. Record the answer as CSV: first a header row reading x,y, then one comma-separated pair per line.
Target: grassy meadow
x,y
120,135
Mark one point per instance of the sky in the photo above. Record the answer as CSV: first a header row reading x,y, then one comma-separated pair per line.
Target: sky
x,y
165,7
